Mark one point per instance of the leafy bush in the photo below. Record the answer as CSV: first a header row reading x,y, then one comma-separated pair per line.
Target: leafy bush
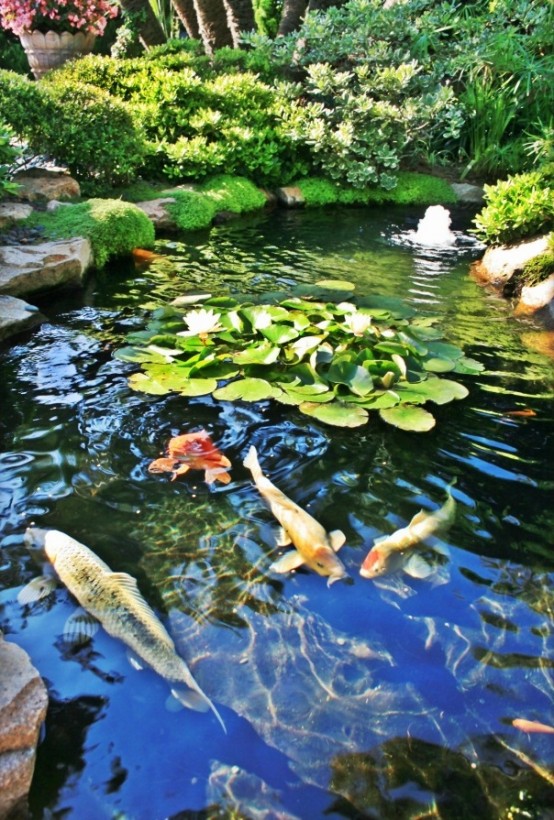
x,y
519,207
8,155
114,228
12,55
77,125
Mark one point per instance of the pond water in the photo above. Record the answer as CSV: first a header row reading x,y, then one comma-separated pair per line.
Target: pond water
x,y
391,698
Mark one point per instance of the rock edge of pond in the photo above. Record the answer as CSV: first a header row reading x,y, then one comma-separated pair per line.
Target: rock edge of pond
x,y
28,266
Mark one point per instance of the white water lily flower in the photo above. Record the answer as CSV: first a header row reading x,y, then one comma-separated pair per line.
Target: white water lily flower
x,y
358,323
200,322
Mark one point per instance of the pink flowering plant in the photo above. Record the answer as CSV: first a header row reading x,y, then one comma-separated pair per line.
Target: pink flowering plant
x,y
88,16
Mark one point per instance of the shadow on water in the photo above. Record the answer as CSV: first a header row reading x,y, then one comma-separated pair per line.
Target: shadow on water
x,y
391,698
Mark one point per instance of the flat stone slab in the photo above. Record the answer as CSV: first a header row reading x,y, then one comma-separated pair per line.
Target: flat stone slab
x,y
468,193
30,268
17,316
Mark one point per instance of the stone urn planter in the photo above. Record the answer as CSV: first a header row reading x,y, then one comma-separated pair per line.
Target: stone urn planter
x,y
51,50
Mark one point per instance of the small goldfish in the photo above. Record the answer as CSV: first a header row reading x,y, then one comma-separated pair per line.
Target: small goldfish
x,y
532,726
113,599
314,547
193,451
388,553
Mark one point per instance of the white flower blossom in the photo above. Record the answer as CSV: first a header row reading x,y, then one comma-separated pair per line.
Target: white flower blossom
x,y
200,322
358,323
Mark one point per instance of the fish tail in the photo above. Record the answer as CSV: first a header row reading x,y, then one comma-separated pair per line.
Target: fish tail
x,y
251,463
194,698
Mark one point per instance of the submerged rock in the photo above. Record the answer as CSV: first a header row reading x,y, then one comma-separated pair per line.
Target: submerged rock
x,y
16,316
237,793
23,703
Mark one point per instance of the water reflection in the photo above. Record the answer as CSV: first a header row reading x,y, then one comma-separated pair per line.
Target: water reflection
x,y
354,701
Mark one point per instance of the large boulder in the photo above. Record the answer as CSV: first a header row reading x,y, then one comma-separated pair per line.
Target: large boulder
x,y
42,185
23,704
16,316
30,268
157,213
499,264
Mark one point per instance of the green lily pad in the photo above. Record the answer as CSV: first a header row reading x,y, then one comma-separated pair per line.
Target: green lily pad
x,y
262,353
143,383
356,377
140,355
296,394
470,367
335,284
279,334
411,419
336,413
248,389
436,365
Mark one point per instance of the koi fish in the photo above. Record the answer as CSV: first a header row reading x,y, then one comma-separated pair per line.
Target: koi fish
x,y
113,600
388,553
193,451
532,726
313,545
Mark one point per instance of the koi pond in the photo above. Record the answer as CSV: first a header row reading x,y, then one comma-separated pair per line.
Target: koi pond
x,y
392,696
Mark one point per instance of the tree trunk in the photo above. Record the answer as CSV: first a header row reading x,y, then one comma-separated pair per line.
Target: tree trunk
x,y
291,18
187,15
149,29
240,18
212,24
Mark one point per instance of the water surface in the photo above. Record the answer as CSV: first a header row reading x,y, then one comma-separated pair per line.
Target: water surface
x,y
376,699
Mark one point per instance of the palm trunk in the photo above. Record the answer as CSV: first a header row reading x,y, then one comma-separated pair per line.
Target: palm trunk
x,y
149,29
187,15
291,18
212,24
240,18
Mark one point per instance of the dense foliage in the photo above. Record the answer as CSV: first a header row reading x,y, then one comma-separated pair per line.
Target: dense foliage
x,y
334,360
8,155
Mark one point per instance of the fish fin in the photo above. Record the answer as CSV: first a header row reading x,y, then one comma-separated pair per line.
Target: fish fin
x,y
291,560
172,704
337,539
417,567
216,474
196,700
418,518
36,590
282,538
80,627
251,462
135,661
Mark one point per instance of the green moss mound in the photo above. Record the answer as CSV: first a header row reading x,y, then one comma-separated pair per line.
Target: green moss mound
x,y
233,193
192,210
538,269
114,228
411,189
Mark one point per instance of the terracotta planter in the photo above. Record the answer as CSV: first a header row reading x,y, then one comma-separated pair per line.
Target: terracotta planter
x,y
51,50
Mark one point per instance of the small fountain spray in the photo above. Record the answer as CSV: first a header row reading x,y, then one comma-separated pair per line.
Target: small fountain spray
x,y
434,228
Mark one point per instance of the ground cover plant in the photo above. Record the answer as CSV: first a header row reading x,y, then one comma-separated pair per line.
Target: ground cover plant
x,y
336,360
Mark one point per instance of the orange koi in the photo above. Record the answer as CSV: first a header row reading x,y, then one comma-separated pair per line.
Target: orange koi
x,y
532,726
193,451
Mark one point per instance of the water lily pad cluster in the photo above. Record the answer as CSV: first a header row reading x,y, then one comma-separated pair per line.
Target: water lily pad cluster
x,y
333,355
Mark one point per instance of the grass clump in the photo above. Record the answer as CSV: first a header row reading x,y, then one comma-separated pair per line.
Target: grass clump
x,y
114,228
411,189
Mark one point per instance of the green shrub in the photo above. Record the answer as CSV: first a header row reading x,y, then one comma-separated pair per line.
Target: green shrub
x,y
22,103
411,189
8,155
421,189
519,207
234,194
12,55
114,228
